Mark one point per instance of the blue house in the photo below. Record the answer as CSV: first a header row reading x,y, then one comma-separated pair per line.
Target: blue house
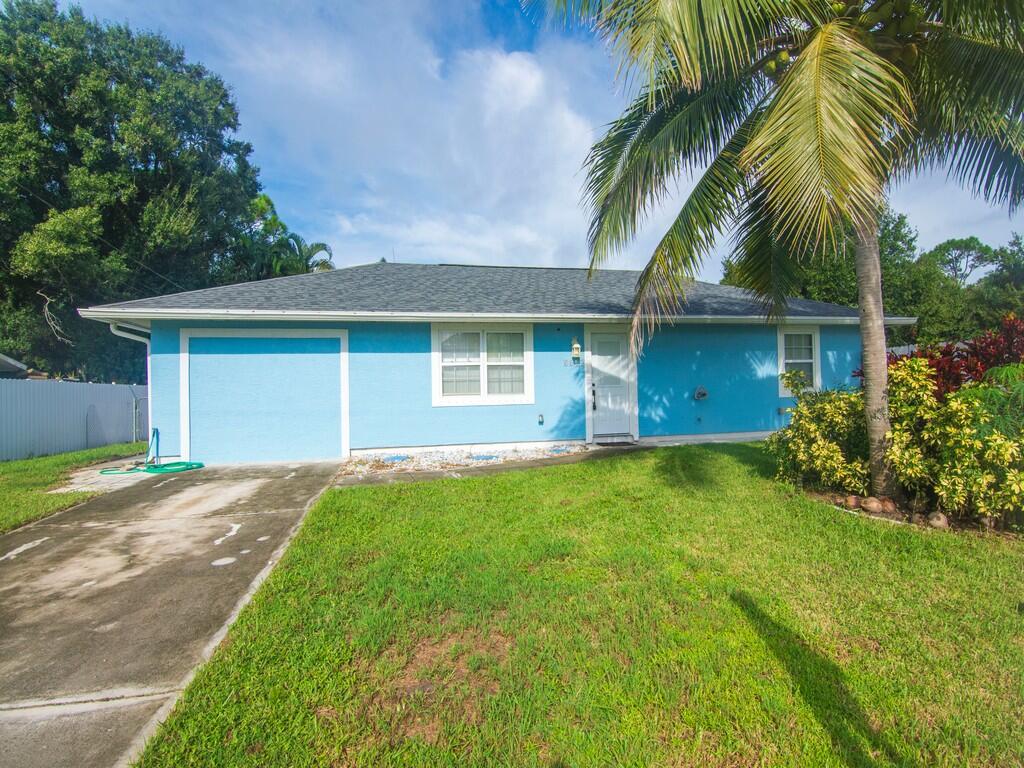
x,y
380,356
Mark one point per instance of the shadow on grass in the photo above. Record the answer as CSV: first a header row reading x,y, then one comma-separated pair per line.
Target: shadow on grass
x,y
822,685
694,465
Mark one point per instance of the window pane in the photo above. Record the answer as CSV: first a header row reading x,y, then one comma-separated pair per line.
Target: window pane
x,y
807,368
460,347
460,380
505,379
799,346
505,347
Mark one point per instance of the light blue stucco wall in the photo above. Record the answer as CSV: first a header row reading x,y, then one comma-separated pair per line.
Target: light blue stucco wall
x,y
391,392
738,366
390,384
268,424
390,389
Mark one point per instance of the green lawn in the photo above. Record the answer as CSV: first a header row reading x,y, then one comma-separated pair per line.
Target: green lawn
x,y
673,607
24,483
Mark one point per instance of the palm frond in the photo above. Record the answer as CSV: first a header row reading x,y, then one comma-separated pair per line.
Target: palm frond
x,y
818,152
990,162
714,201
983,153
315,249
686,41
629,169
765,265
965,73
969,98
997,20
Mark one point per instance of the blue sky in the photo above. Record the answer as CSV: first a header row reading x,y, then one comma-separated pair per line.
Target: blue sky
x,y
441,130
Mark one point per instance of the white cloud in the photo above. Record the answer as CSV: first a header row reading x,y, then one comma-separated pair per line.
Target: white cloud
x,y
402,127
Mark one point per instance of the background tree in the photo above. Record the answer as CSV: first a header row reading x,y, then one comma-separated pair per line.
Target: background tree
x,y
266,248
913,285
120,176
960,258
798,113
1001,291
300,256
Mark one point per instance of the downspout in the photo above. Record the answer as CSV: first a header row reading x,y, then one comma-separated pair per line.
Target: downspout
x,y
116,329
133,332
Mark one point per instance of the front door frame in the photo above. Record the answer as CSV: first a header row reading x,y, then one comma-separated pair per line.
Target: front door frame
x,y
588,378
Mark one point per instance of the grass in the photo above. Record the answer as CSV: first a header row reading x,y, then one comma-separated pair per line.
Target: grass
x,y
673,607
24,483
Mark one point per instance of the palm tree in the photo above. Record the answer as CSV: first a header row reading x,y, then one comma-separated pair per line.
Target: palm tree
x,y
797,114
298,257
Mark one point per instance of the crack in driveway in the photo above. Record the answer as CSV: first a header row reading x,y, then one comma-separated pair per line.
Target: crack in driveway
x,y
82,702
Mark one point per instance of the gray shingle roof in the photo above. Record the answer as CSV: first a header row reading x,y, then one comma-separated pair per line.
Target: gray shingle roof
x,y
454,288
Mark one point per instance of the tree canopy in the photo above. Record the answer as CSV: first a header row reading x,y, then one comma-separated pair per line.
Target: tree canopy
x,y
932,285
1001,290
121,176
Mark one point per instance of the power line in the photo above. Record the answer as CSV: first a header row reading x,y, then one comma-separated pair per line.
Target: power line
x,y
53,207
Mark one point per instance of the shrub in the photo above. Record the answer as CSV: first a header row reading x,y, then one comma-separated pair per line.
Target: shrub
x,y
826,441
963,454
1003,398
958,364
949,452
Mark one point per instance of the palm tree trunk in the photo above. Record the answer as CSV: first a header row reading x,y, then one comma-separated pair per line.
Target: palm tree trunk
x,y
873,354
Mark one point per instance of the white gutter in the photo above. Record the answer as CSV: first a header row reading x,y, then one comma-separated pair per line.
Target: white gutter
x,y
113,315
116,330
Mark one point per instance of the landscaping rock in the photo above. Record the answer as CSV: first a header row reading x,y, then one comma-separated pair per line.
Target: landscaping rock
x,y
852,502
918,519
889,506
938,520
871,505
446,459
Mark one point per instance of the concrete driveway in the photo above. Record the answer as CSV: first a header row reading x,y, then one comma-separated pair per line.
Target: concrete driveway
x,y
106,609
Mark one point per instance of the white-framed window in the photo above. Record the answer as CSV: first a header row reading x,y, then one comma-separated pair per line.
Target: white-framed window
x,y
475,364
799,350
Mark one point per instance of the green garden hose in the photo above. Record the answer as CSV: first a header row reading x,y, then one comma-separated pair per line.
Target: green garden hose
x,y
156,469
152,465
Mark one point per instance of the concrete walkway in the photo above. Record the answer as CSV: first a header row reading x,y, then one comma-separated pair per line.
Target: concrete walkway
x,y
106,609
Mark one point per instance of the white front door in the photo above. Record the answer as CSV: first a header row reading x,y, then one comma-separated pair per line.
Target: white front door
x,y
611,400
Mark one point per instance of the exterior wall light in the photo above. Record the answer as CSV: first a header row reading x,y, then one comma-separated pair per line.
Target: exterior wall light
x,y
576,350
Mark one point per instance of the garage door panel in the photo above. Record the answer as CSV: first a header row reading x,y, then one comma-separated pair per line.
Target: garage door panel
x,y
264,398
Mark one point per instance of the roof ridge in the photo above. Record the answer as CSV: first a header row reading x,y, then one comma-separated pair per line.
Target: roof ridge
x,y
510,266
537,267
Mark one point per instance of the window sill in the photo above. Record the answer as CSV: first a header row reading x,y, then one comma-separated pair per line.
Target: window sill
x,y
478,400
785,394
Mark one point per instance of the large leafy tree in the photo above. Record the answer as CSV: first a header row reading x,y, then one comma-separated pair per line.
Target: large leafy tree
x,y
121,176
796,114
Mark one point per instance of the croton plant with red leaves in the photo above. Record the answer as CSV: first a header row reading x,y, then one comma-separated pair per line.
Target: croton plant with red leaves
x,y
958,364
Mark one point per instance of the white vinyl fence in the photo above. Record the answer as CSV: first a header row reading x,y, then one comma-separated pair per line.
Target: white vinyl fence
x,y
38,418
